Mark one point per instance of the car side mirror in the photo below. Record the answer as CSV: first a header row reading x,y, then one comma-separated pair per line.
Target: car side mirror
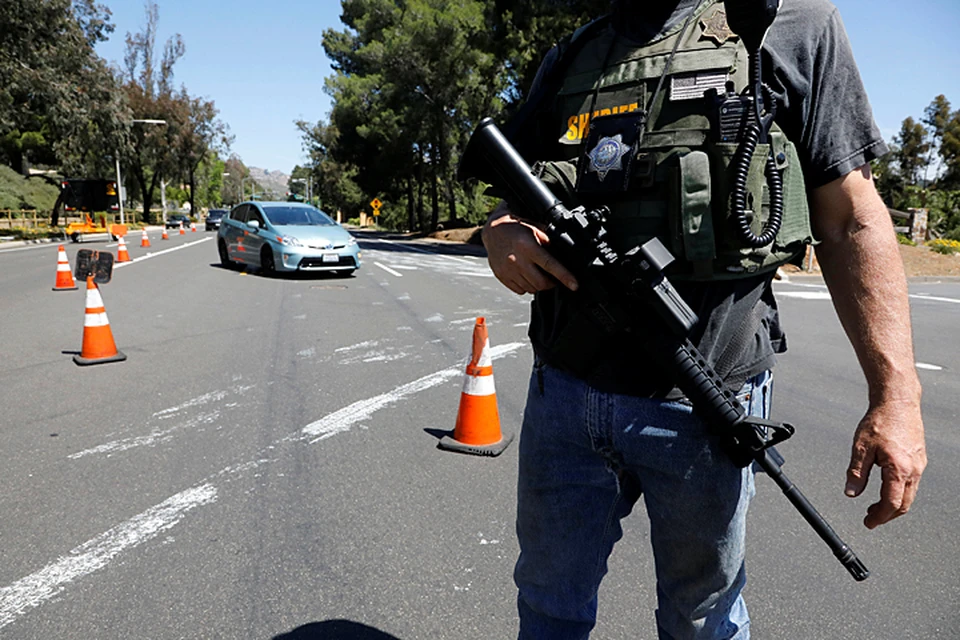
x,y
254,223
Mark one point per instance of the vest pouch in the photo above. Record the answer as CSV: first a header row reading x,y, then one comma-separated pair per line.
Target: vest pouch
x,y
695,213
560,176
796,231
733,259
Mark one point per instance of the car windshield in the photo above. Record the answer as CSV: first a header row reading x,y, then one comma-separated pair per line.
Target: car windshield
x,y
215,214
283,216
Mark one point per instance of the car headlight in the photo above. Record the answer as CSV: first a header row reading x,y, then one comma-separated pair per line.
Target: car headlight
x,y
352,241
289,241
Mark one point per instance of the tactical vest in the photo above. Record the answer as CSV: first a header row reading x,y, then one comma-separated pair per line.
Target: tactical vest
x,y
678,176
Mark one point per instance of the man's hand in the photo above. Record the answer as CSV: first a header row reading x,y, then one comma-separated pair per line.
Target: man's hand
x,y
516,251
863,270
890,437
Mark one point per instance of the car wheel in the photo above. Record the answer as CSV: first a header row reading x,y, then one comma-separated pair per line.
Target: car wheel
x,y
267,265
225,260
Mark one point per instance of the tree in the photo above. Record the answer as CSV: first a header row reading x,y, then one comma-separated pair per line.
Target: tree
x,y
950,152
150,96
199,132
59,102
335,181
412,79
911,151
936,117
525,30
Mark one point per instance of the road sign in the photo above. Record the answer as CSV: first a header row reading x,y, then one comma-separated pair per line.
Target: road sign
x,y
98,264
376,204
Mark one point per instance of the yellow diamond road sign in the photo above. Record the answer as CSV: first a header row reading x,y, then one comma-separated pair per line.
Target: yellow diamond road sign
x,y
375,203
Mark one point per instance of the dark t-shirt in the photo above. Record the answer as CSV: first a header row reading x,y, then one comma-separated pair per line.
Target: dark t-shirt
x,y
823,108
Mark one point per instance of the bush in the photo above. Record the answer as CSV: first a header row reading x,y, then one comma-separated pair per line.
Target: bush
x,y
902,239
944,245
31,233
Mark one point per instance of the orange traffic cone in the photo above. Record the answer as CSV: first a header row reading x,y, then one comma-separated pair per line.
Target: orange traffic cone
x,y
477,429
144,240
98,345
164,236
64,277
122,255
193,227
182,232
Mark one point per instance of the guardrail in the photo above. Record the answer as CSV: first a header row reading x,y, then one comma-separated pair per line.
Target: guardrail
x,y
33,218
10,218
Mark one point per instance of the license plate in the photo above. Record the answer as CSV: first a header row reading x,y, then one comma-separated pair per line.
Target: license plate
x,y
331,257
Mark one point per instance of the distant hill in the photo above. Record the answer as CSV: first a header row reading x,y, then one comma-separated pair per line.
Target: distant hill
x,y
275,180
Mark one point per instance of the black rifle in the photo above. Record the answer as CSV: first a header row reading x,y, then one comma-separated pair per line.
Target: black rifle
x,y
618,290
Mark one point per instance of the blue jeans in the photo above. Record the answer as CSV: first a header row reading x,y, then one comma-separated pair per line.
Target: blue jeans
x,y
586,457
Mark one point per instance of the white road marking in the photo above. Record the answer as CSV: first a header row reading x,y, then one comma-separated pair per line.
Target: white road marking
x,y
934,298
805,295
150,439
342,420
35,589
388,269
433,253
929,367
160,253
795,294
359,345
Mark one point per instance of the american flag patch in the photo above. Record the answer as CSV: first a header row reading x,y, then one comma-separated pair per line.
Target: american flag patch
x,y
689,86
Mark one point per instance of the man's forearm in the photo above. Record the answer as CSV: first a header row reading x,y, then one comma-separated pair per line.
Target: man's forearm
x,y
862,267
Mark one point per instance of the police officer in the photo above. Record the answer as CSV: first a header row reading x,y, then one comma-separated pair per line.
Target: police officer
x,y
626,113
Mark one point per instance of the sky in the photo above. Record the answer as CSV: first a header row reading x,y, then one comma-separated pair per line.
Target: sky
x,y
263,64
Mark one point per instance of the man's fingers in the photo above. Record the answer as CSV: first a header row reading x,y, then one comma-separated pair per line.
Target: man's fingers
x,y
551,265
861,459
891,504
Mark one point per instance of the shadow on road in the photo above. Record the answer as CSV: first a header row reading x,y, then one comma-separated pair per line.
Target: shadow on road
x,y
288,275
414,243
335,630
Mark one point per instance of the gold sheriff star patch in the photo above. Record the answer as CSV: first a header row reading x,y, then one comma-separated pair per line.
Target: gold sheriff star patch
x,y
716,28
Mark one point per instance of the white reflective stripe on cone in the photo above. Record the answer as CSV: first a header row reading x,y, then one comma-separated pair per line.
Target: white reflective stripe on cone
x,y
94,300
96,319
485,359
63,266
478,385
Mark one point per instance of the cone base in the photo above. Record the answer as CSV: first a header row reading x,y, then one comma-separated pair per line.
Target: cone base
x,y
73,288
493,449
118,357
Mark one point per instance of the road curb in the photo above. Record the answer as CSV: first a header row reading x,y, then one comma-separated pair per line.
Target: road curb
x,y
4,244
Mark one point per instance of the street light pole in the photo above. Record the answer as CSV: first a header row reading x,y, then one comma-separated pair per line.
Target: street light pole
x,y
163,201
119,188
225,174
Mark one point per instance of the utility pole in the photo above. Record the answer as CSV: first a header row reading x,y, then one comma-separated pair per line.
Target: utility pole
x,y
119,188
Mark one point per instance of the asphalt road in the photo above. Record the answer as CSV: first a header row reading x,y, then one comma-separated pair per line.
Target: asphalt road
x,y
264,463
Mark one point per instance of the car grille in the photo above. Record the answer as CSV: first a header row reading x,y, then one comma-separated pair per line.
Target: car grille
x,y
318,263
327,247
